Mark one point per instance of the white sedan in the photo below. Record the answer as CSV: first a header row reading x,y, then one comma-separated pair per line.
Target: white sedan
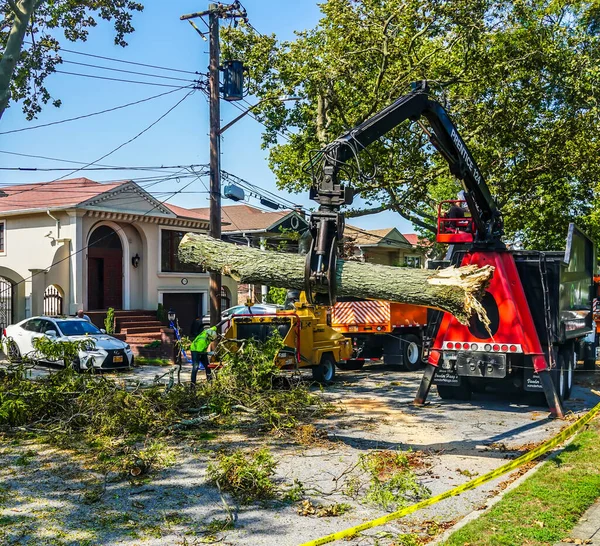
x,y
108,353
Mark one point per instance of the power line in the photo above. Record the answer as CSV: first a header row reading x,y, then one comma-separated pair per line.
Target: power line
x,y
114,79
127,142
128,71
120,168
93,113
120,60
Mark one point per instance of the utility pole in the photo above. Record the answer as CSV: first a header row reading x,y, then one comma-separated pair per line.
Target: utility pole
x,y
215,12
215,157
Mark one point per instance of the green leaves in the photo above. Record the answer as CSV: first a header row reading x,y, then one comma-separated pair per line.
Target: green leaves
x,y
37,60
519,78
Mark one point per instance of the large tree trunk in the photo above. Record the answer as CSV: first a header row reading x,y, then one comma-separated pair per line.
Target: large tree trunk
x,y
22,10
454,290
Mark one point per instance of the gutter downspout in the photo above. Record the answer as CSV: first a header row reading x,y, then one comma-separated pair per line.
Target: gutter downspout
x,y
57,224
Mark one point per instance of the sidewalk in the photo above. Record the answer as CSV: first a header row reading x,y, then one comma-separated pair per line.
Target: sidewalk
x,y
587,531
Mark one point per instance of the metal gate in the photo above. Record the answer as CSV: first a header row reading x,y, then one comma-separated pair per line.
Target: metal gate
x,y
53,301
6,302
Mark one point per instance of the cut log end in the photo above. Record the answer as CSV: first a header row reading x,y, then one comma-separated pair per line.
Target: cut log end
x,y
473,280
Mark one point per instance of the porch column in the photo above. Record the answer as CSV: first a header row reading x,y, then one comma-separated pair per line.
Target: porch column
x,y
35,286
77,261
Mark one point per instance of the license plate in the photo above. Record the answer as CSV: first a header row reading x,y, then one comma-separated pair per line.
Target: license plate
x,y
118,359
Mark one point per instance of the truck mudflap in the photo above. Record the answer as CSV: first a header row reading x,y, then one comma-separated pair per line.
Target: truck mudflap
x,y
447,377
532,381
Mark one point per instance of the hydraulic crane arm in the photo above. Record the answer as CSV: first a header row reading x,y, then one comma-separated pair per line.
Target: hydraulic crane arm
x,y
327,224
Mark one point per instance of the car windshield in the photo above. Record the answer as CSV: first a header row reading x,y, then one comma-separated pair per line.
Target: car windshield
x,y
77,327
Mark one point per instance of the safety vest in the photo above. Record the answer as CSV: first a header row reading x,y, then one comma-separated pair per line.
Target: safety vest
x,y
201,343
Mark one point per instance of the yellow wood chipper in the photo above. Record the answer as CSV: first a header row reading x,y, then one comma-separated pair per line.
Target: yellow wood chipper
x,y
308,340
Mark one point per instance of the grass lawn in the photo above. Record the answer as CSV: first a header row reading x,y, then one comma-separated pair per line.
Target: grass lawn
x,y
544,508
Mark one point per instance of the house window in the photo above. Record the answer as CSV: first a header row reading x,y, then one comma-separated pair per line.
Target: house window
x,y
225,298
412,261
169,260
2,236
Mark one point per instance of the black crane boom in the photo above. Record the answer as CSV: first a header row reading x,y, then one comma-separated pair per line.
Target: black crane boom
x,y
327,224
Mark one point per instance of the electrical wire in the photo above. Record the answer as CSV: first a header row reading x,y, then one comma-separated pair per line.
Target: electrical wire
x,y
127,142
84,116
128,71
117,60
113,79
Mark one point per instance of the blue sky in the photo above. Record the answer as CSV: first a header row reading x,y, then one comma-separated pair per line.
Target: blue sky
x,y
181,137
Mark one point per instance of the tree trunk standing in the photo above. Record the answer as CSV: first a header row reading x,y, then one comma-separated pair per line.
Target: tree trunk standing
x,y
454,290
22,11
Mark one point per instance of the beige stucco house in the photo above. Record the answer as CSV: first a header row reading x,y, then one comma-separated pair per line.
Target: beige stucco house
x,y
387,246
79,244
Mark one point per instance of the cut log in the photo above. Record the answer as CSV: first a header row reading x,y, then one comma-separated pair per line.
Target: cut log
x,y
456,290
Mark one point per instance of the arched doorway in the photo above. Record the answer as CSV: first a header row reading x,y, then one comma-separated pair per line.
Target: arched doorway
x,y
105,269
7,296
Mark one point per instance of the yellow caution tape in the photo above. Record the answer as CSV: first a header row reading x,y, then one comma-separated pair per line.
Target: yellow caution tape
x,y
529,456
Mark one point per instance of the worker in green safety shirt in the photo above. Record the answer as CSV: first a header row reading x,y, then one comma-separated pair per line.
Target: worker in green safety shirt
x,y
199,349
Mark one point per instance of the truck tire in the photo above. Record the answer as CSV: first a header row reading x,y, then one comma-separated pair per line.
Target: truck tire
x,y
462,392
351,365
325,371
589,356
411,352
568,372
558,375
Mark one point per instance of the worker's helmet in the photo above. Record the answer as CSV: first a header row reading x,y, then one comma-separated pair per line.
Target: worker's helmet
x,y
211,334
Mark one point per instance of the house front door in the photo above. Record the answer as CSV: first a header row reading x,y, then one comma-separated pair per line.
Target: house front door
x,y
105,270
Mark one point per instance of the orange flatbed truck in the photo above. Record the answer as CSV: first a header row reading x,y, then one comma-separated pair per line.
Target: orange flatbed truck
x,y
380,330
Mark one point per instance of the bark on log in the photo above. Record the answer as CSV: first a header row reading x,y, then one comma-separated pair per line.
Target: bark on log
x,y
456,290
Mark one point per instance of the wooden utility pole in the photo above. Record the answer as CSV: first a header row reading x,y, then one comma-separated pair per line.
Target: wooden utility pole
x,y
214,13
215,156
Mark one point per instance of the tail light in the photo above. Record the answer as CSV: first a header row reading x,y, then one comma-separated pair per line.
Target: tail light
x,y
474,347
513,349
496,347
504,348
450,345
4,332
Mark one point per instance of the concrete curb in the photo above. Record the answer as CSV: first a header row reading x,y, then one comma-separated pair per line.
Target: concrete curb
x,y
494,500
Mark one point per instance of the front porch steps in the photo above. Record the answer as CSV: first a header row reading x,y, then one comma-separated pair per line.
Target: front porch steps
x,y
140,328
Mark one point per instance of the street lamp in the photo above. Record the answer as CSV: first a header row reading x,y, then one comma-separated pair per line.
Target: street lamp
x,y
245,112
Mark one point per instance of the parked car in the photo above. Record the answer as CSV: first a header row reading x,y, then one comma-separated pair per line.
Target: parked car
x,y
257,309
108,352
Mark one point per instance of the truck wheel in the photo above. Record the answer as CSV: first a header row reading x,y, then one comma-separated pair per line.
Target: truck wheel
x,y
569,370
559,376
462,392
411,352
325,371
351,365
589,355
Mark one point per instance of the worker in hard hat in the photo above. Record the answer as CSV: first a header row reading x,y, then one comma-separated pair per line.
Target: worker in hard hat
x,y
199,349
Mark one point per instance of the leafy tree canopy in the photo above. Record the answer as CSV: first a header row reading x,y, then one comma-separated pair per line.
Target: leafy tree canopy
x,y
30,46
519,78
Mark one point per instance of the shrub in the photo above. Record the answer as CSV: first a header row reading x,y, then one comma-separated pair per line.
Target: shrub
x,y
392,482
109,321
247,476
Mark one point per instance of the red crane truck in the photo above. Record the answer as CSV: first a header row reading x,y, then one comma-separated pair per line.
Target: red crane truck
x,y
539,303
